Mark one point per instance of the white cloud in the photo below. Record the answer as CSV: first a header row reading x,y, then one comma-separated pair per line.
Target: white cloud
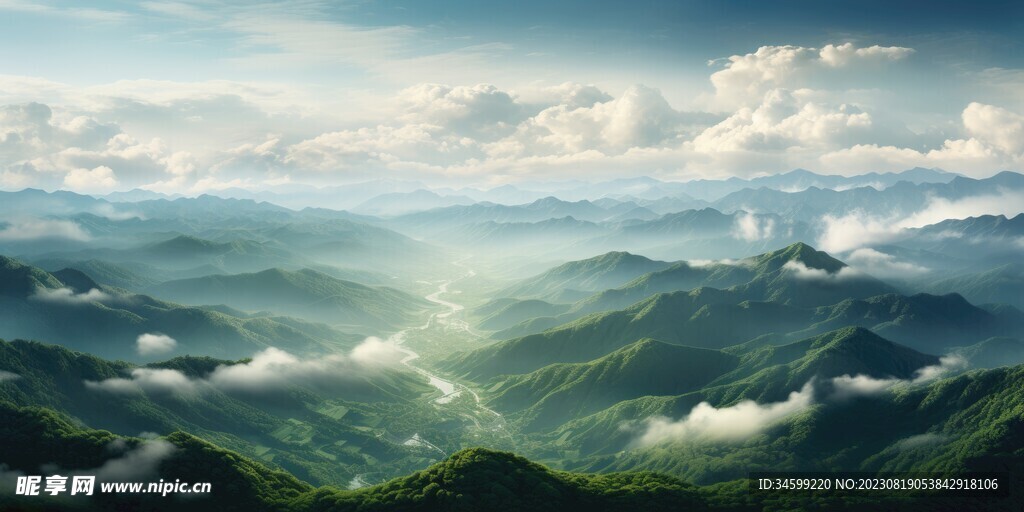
x,y
273,368
880,264
846,386
859,229
801,271
268,370
920,441
35,229
153,344
142,461
751,228
860,385
100,179
733,423
68,296
8,376
149,380
746,78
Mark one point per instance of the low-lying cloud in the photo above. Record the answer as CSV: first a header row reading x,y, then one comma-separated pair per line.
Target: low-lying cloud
x,y
737,422
846,386
150,380
268,370
36,229
68,296
748,418
6,376
149,344
751,228
858,229
801,271
880,264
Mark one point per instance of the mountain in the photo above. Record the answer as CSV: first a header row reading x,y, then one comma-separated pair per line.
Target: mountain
x,y
290,423
474,478
801,179
600,272
901,199
993,353
538,236
962,423
35,304
514,311
304,293
709,318
985,240
557,393
764,374
399,203
797,274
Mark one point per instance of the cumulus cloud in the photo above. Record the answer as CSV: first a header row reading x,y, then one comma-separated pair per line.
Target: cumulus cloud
x,y
880,264
35,229
745,79
152,344
734,423
7,376
68,296
752,228
100,179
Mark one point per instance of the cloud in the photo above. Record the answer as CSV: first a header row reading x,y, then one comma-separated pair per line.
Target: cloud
x,y
100,179
859,229
745,79
733,423
150,380
274,368
68,296
752,228
920,441
152,344
880,264
142,461
35,229
846,386
8,376
801,271
860,385
268,370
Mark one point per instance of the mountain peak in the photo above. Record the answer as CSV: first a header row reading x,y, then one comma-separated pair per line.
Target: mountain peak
x,y
798,252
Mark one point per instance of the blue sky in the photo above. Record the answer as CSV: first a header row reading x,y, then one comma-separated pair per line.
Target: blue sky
x,y
198,95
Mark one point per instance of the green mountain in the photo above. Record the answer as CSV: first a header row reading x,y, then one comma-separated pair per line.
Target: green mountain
x,y
993,353
35,304
473,479
709,318
598,273
305,293
1002,284
766,374
797,275
971,422
322,430
557,393
513,312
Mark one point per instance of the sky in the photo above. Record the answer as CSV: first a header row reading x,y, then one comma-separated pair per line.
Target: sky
x,y
197,96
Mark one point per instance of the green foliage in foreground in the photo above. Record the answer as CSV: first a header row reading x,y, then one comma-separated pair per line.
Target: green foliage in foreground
x,y
469,480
